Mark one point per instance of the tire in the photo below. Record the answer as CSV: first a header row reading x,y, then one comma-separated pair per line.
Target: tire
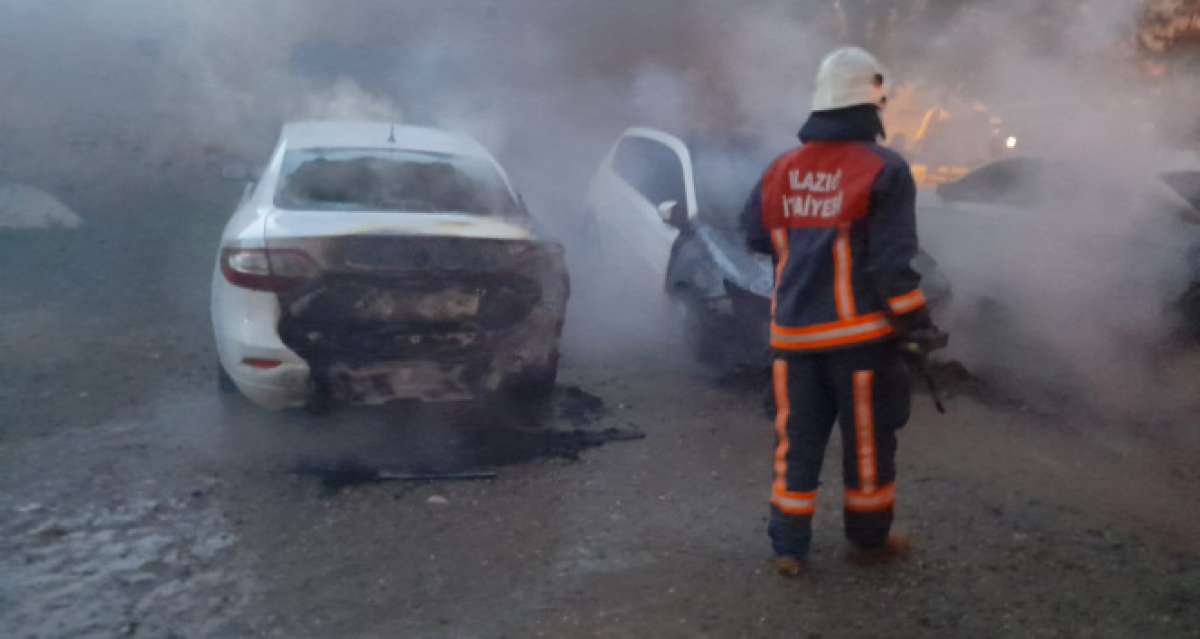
x,y
536,383
711,338
225,383
320,396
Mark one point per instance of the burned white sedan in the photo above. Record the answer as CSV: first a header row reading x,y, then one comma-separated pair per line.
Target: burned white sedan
x,y
373,262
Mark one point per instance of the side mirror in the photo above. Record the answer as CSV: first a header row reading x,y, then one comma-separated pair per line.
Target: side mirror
x,y
666,210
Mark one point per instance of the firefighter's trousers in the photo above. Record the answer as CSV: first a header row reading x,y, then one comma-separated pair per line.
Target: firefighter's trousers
x,y
866,390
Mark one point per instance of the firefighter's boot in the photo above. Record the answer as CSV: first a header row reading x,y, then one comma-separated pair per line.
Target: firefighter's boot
x,y
788,566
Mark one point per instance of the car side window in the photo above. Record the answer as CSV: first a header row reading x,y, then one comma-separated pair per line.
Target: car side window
x,y
653,169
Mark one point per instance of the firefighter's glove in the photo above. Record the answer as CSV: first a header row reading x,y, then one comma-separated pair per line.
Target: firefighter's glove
x,y
918,335
923,341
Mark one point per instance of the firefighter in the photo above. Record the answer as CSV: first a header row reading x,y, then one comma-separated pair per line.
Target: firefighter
x,y
837,215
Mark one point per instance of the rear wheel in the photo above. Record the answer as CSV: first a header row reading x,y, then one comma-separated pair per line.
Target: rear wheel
x,y
535,383
711,336
224,382
320,395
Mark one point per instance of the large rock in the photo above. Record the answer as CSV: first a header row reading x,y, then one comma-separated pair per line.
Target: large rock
x,y
25,207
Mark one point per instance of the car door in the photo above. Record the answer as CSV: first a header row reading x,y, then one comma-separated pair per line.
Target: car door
x,y
644,170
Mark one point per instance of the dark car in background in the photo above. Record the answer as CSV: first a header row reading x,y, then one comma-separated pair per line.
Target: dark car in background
x,y
1047,237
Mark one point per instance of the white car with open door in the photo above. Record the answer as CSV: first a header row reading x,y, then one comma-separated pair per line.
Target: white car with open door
x,y
373,262
642,196
662,218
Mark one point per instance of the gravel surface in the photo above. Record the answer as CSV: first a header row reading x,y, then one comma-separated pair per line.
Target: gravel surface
x,y
138,502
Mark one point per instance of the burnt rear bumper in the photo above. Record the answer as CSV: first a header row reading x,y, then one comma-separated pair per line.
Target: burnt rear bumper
x,y
375,365
444,330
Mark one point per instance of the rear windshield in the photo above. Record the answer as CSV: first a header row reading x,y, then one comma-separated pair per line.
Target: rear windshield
x,y
391,180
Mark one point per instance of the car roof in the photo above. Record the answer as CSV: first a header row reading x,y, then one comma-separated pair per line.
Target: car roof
x,y
375,135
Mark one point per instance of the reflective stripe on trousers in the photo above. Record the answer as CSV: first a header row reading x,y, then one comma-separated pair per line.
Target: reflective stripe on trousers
x,y
865,389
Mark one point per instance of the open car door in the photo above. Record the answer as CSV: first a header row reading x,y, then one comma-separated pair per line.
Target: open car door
x,y
640,197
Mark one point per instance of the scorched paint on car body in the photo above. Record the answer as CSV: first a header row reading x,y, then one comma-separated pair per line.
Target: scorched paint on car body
x,y
364,270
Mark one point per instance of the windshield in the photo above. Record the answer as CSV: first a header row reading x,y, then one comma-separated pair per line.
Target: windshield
x,y
391,180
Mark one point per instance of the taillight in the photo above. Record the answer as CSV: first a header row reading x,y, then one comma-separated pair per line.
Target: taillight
x,y
261,270
263,364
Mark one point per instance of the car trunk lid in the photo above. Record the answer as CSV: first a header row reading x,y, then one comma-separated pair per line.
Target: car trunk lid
x,y
422,305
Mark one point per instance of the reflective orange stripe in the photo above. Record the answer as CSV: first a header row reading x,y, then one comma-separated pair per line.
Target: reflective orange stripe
x,y
849,338
784,409
790,344
881,499
788,502
864,428
822,329
860,329
843,286
908,302
793,503
779,239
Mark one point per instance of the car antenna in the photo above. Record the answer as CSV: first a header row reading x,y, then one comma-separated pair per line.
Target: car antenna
x,y
392,134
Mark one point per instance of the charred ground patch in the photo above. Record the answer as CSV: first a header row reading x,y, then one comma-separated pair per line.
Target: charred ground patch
x,y
472,441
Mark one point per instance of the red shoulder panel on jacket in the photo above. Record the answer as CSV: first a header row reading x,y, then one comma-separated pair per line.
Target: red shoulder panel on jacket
x,y
821,184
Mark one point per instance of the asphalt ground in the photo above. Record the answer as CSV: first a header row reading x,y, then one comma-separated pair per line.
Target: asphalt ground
x,y
140,502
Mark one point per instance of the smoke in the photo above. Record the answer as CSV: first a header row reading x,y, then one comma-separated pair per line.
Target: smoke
x,y
139,85
346,100
1068,295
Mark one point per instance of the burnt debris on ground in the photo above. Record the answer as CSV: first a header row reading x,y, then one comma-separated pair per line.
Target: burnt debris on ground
x,y
346,473
472,444
994,388
578,406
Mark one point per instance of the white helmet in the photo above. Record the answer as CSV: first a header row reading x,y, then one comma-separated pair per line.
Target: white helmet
x,y
848,77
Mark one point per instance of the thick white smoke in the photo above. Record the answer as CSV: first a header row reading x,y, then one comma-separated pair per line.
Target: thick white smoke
x,y
1083,288
548,85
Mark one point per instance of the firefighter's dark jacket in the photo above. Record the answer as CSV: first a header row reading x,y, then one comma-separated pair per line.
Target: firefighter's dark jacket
x,y
838,215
